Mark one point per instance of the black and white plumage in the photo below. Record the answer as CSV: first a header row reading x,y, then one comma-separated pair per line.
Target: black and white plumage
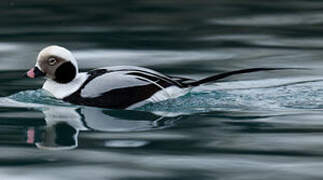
x,y
117,87
122,87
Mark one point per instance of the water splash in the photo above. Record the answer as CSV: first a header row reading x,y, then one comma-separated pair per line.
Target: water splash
x,y
38,96
272,95
303,95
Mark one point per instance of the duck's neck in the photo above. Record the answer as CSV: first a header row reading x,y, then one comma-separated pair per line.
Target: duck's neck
x,y
62,90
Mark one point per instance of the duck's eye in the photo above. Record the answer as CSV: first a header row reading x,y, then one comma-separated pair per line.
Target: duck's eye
x,y
52,61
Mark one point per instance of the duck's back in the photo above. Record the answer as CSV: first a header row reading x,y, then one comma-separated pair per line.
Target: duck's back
x,y
120,87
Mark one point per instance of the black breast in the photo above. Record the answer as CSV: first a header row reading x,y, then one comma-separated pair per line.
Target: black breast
x,y
119,89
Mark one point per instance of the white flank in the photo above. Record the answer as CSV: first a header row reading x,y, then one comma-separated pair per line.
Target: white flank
x,y
171,92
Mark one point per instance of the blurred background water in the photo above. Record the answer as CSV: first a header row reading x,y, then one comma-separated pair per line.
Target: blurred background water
x,y
265,125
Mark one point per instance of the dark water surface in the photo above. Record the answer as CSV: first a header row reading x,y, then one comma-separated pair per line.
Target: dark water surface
x,y
266,125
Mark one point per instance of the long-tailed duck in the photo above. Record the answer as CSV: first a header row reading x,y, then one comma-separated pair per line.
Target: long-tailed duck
x,y
117,87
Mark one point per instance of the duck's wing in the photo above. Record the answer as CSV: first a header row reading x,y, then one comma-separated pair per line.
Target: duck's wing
x,y
119,88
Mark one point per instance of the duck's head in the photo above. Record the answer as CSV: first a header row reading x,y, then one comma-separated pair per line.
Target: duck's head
x,y
56,63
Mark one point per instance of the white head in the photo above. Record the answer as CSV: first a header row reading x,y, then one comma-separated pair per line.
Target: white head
x,y
56,63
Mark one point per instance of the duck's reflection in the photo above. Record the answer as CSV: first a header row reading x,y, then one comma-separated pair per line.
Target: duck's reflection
x,y
59,136
63,125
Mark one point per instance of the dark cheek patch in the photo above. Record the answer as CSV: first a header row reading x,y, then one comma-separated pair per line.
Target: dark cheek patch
x,y
65,73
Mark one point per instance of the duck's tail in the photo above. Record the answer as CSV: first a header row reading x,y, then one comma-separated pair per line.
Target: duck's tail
x,y
227,74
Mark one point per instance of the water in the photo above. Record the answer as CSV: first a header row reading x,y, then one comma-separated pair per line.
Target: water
x,y
265,125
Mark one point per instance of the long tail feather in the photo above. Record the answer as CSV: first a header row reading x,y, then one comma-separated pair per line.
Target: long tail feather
x,y
227,74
